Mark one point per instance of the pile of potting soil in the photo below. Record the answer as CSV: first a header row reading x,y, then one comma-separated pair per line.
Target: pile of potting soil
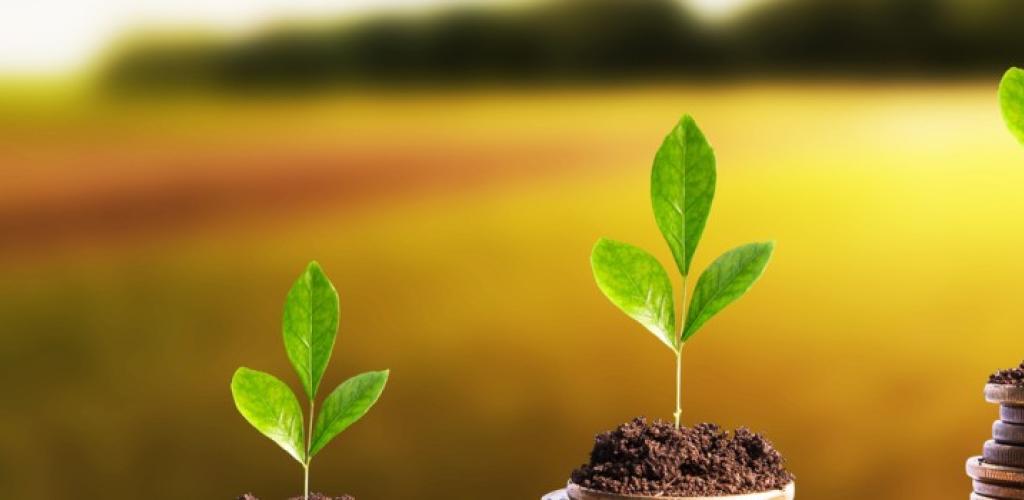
x,y
639,458
1009,376
312,496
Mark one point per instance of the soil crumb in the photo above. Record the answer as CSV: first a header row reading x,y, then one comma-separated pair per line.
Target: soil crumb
x,y
312,496
1009,376
657,459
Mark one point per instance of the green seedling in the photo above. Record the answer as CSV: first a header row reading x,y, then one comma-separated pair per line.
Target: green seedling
x,y
1011,101
310,327
682,187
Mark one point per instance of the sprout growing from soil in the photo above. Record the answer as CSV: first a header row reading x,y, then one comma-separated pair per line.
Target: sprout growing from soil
x,y
1011,101
310,327
682,187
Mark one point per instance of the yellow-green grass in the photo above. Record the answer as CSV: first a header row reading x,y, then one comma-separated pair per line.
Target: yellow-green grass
x,y
457,227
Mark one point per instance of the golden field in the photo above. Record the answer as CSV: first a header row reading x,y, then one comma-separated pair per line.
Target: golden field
x,y
146,248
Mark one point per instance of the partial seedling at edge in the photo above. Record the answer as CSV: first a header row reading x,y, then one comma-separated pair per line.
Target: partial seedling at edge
x,y
1011,101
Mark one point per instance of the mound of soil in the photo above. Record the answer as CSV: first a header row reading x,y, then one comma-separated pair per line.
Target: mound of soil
x,y
654,459
312,496
1009,376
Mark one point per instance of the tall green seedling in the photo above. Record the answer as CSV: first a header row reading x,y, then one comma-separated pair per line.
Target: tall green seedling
x,y
682,188
310,327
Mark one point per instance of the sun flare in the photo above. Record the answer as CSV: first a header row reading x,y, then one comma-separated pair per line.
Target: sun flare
x,y
60,36
719,10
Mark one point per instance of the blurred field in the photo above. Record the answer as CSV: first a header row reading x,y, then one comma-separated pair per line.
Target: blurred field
x,y
146,249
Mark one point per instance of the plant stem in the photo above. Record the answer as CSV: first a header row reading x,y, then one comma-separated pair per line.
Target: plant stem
x,y
679,356
309,443
679,386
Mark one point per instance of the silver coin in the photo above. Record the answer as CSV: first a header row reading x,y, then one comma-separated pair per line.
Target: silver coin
x,y
1004,394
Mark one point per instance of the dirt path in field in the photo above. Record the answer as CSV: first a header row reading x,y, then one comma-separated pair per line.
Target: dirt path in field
x,y
118,173
105,195
123,173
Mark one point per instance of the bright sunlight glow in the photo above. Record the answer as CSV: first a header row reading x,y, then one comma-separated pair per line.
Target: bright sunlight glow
x,y
719,10
44,37
60,36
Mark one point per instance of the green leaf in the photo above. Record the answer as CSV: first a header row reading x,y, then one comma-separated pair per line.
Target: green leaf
x,y
346,405
271,407
1011,100
682,187
724,281
637,283
310,326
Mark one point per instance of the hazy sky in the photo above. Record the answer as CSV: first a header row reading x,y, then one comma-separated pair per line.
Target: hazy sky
x,y
57,36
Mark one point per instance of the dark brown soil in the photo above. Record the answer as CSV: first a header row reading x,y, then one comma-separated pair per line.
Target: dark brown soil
x,y
654,459
312,496
1009,376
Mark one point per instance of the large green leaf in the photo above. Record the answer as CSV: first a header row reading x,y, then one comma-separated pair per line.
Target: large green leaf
x,y
310,326
271,407
1011,100
724,281
345,405
637,283
682,187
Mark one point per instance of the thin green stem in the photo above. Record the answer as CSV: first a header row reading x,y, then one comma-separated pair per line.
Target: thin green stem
x,y
679,384
309,444
679,356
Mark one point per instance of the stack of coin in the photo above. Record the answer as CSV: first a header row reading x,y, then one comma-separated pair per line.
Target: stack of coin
x,y
999,472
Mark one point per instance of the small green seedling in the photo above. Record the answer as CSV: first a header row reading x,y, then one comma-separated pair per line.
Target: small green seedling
x,y
1011,101
310,326
682,187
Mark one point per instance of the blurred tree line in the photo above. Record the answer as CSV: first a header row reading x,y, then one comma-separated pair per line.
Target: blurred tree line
x,y
579,40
